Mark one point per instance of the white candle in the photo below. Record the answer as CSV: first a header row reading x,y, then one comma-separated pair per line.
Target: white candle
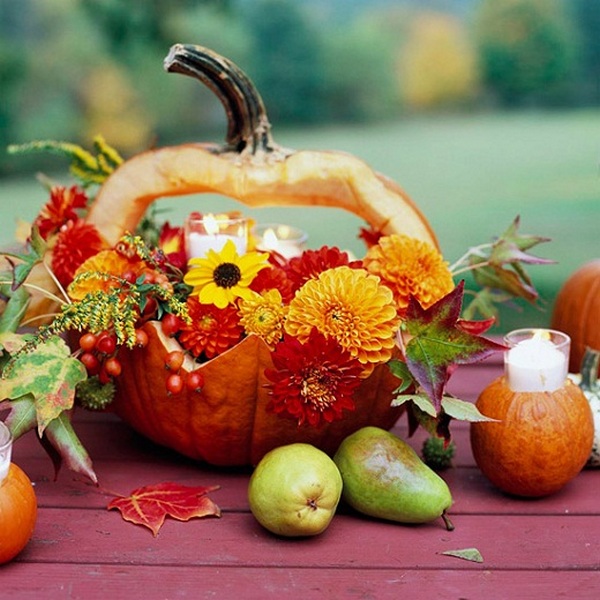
x,y
537,360
283,239
5,451
204,233
199,243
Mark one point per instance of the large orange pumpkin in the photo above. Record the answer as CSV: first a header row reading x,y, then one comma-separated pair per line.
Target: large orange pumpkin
x,y
540,441
577,311
227,424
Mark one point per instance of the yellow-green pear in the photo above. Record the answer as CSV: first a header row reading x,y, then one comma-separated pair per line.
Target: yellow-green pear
x,y
384,477
294,490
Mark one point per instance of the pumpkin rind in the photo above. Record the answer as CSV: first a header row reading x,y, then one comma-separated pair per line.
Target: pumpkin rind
x,y
577,311
18,513
540,442
227,423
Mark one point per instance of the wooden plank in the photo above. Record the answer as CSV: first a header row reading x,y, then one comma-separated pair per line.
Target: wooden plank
x,y
236,539
81,582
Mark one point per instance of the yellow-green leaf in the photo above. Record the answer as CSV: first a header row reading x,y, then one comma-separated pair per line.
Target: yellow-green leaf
x,y
49,374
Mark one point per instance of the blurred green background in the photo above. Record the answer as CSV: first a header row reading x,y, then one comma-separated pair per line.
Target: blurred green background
x,y
480,109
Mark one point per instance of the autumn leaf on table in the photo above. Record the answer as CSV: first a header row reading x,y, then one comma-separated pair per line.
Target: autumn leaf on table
x,y
49,375
150,505
438,340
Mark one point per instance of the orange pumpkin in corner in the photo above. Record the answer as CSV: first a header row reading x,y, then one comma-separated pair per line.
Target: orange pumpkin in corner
x,y
540,441
577,311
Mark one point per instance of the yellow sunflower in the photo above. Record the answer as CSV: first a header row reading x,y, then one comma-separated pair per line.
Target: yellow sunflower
x,y
264,315
410,267
221,277
350,306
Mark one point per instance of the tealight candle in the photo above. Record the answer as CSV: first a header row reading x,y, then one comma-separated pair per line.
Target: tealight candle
x,y
284,239
210,232
537,360
5,450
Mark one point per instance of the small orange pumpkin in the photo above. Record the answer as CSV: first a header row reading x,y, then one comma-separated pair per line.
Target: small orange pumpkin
x,y
577,311
18,513
540,441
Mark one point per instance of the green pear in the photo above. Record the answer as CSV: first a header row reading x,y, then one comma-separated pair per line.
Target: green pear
x,y
384,477
295,490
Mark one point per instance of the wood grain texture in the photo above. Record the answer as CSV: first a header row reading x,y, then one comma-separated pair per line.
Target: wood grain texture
x,y
547,548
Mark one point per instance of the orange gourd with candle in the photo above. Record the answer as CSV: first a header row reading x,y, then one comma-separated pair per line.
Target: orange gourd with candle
x,y
18,504
540,439
577,311
231,426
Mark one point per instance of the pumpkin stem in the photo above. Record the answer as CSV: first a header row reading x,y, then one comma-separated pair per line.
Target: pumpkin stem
x,y
248,126
589,369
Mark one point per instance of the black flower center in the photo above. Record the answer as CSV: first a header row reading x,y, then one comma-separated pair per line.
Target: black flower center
x,y
226,275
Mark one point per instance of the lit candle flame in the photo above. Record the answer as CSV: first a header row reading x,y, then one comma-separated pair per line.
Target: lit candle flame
x,y
210,224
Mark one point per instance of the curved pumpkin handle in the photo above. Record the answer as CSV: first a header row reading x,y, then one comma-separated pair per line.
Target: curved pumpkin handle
x,y
249,167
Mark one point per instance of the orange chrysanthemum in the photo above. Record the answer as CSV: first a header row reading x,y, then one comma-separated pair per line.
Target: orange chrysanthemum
x,y
410,267
211,330
350,306
76,242
110,262
264,315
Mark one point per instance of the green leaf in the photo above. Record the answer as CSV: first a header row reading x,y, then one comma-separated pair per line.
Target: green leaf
x,y
22,416
49,374
399,369
462,410
15,308
471,554
62,437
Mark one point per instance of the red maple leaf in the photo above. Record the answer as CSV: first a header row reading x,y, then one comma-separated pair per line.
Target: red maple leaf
x,y
149,505
440,340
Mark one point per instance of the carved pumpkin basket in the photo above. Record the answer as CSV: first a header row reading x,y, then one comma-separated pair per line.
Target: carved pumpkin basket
x,y
228,422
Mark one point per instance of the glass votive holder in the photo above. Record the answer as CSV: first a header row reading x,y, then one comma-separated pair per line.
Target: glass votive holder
x,y
537,360
286,240
211,232
5,450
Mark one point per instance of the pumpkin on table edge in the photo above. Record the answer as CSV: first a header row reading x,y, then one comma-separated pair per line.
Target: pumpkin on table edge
x,y
18,513
540,441
227,423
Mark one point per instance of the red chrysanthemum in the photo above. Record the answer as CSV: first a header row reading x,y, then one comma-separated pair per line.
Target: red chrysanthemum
x,y
312,382
273,278
61,208
212,330
311,263
76,242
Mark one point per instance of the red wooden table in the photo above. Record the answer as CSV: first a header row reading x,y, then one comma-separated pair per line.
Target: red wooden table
x,y
545,548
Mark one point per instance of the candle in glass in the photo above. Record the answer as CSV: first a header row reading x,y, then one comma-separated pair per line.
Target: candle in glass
x,y
5,451
537,360
211,232
284,239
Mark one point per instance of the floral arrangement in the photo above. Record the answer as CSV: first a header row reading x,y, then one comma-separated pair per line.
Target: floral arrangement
x,y
328,319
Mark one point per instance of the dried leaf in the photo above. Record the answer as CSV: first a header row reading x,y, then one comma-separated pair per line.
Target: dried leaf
x,y
471,554
149,505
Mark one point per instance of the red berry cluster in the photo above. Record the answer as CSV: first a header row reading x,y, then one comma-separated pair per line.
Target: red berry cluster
x,y
99,353
193,381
